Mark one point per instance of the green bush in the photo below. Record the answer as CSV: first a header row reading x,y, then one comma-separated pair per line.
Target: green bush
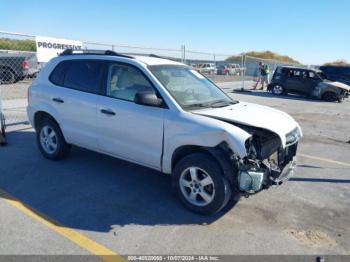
x,y
266,55
20,45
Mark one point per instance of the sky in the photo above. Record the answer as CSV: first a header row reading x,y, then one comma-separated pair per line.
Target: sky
x,y
313,32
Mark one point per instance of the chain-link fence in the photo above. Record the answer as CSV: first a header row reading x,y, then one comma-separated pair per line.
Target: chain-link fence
x,y
19,65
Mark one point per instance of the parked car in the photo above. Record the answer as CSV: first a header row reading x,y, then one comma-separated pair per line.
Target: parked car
x,y
17,66
306,82
164,115
229,69
208,69
195,67
337,73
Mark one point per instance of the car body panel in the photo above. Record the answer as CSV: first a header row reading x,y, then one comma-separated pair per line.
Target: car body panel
x,y
256,116
148,136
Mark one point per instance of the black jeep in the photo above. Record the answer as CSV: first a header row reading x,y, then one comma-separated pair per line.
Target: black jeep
x,y
306,82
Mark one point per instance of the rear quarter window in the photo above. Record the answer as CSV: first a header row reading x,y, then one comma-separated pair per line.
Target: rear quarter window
x,y
57,75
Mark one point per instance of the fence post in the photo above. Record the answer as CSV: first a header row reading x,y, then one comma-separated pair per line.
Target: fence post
x,y
183,53
243,72
2,122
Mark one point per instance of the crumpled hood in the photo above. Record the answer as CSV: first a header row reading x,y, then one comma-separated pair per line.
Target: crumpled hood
x,y
338,84
256,116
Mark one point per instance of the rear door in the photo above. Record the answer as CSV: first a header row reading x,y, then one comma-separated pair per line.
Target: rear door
x,y
77,86
310,81
294,82
125,129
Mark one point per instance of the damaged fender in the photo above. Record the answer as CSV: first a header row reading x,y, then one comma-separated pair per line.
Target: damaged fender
x,y
200,131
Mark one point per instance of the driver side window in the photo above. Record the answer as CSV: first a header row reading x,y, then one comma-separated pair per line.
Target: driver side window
x,y
123,82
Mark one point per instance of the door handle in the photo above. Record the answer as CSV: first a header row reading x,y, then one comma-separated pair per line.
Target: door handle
x,y
58,100
107,112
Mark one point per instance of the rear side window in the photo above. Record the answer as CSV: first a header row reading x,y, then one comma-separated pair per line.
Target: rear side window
x,y
294,73
82,75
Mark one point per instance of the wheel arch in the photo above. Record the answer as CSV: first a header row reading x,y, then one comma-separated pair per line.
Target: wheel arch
x,y
40,115
221,153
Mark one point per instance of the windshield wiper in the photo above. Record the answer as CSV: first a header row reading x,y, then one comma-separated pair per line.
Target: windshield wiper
x,y
214,104
221,103
196,105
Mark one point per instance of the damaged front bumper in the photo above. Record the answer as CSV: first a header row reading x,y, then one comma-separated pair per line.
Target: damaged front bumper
x,y
259,175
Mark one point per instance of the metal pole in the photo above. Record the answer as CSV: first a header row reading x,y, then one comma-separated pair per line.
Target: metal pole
x,y
184,53
243,72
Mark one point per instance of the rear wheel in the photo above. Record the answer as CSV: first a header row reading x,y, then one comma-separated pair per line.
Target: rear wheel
x,y
200,184
50,140
278,89
329,97
7,76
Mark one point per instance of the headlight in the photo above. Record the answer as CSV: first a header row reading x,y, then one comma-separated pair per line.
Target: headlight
x,y
293,136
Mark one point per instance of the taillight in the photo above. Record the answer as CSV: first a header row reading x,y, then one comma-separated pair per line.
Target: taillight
x,y
25,64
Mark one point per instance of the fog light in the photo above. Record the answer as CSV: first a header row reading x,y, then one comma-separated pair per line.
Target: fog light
x,y
251,180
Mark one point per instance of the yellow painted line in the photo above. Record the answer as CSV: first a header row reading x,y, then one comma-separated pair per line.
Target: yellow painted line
x,y
94,248
325,160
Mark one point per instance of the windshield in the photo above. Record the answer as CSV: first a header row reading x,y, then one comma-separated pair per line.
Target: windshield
x,y
189,88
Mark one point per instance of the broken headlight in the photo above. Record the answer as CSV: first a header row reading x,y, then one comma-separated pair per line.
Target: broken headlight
x,y
293,136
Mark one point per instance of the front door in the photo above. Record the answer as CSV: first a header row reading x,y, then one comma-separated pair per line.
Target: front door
x,y
125,129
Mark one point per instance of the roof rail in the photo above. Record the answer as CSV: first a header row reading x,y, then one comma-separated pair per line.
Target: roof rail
x,y
155,56
92,52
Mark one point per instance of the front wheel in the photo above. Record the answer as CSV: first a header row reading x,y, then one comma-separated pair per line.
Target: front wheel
x,y
200,184
329,97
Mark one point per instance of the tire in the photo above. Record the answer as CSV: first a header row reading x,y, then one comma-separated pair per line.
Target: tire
x,y
200,184
330,97
50,140
277,89
7,76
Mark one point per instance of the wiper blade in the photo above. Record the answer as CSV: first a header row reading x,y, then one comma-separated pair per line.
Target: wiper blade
x,y
221,103
197,105
215,104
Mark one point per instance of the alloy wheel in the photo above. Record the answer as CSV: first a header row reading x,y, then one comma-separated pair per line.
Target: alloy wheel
x,y
48,139
197,186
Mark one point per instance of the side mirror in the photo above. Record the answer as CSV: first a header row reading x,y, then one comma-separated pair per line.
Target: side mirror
x,y
148,98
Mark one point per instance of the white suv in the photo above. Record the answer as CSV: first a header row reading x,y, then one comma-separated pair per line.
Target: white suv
x,y
166,116
207,69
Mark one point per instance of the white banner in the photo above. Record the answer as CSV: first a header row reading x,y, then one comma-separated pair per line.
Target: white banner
x,y
48,47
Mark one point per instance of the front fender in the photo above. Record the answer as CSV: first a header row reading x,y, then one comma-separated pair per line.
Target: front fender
x,y
196,130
